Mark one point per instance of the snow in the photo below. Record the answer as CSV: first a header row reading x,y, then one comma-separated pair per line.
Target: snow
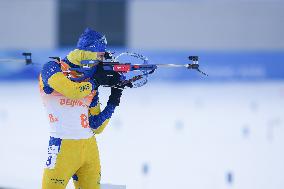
x,y
163,135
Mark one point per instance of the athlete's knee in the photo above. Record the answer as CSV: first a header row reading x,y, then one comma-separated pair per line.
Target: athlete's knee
x,y
54,183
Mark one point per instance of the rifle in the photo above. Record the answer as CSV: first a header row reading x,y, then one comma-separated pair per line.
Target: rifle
x,y
114,65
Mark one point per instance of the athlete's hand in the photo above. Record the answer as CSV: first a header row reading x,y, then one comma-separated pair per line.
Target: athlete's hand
x,y
124,84
106,77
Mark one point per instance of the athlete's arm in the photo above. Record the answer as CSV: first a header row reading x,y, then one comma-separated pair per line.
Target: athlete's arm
x,y
98,120
53,77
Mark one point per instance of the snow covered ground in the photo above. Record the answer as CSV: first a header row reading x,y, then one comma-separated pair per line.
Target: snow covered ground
x,y
187,135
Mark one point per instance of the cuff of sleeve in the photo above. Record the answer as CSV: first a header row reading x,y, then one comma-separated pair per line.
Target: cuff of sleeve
x,y
113,102
110,107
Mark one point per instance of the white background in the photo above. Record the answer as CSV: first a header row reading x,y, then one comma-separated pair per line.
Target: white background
x,y
189,135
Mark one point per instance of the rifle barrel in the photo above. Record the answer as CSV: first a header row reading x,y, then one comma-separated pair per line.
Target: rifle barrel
x,y
172,65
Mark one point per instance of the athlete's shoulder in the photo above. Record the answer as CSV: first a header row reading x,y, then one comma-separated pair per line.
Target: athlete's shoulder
x,y
49,69
51,66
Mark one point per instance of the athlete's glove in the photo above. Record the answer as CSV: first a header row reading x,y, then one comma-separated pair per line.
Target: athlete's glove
x,y
106,77
115,95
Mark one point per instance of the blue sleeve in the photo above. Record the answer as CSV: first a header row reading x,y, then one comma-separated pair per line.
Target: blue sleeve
x,y
97,120
47,71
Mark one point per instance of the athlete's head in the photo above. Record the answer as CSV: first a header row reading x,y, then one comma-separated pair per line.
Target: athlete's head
x,y
90,46
93,41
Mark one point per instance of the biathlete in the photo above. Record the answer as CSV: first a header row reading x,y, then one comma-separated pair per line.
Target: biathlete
x,y
75,116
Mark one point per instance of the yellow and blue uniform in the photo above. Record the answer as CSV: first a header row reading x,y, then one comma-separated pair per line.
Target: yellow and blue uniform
x,y
75,116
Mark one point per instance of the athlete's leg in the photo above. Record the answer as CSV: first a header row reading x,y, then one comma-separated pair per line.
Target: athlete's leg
x,y
89,175
62,163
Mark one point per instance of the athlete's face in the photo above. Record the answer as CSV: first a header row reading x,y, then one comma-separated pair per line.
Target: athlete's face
x,y
100,56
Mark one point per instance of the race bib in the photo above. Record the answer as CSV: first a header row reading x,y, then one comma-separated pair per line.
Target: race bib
x,y
53,150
